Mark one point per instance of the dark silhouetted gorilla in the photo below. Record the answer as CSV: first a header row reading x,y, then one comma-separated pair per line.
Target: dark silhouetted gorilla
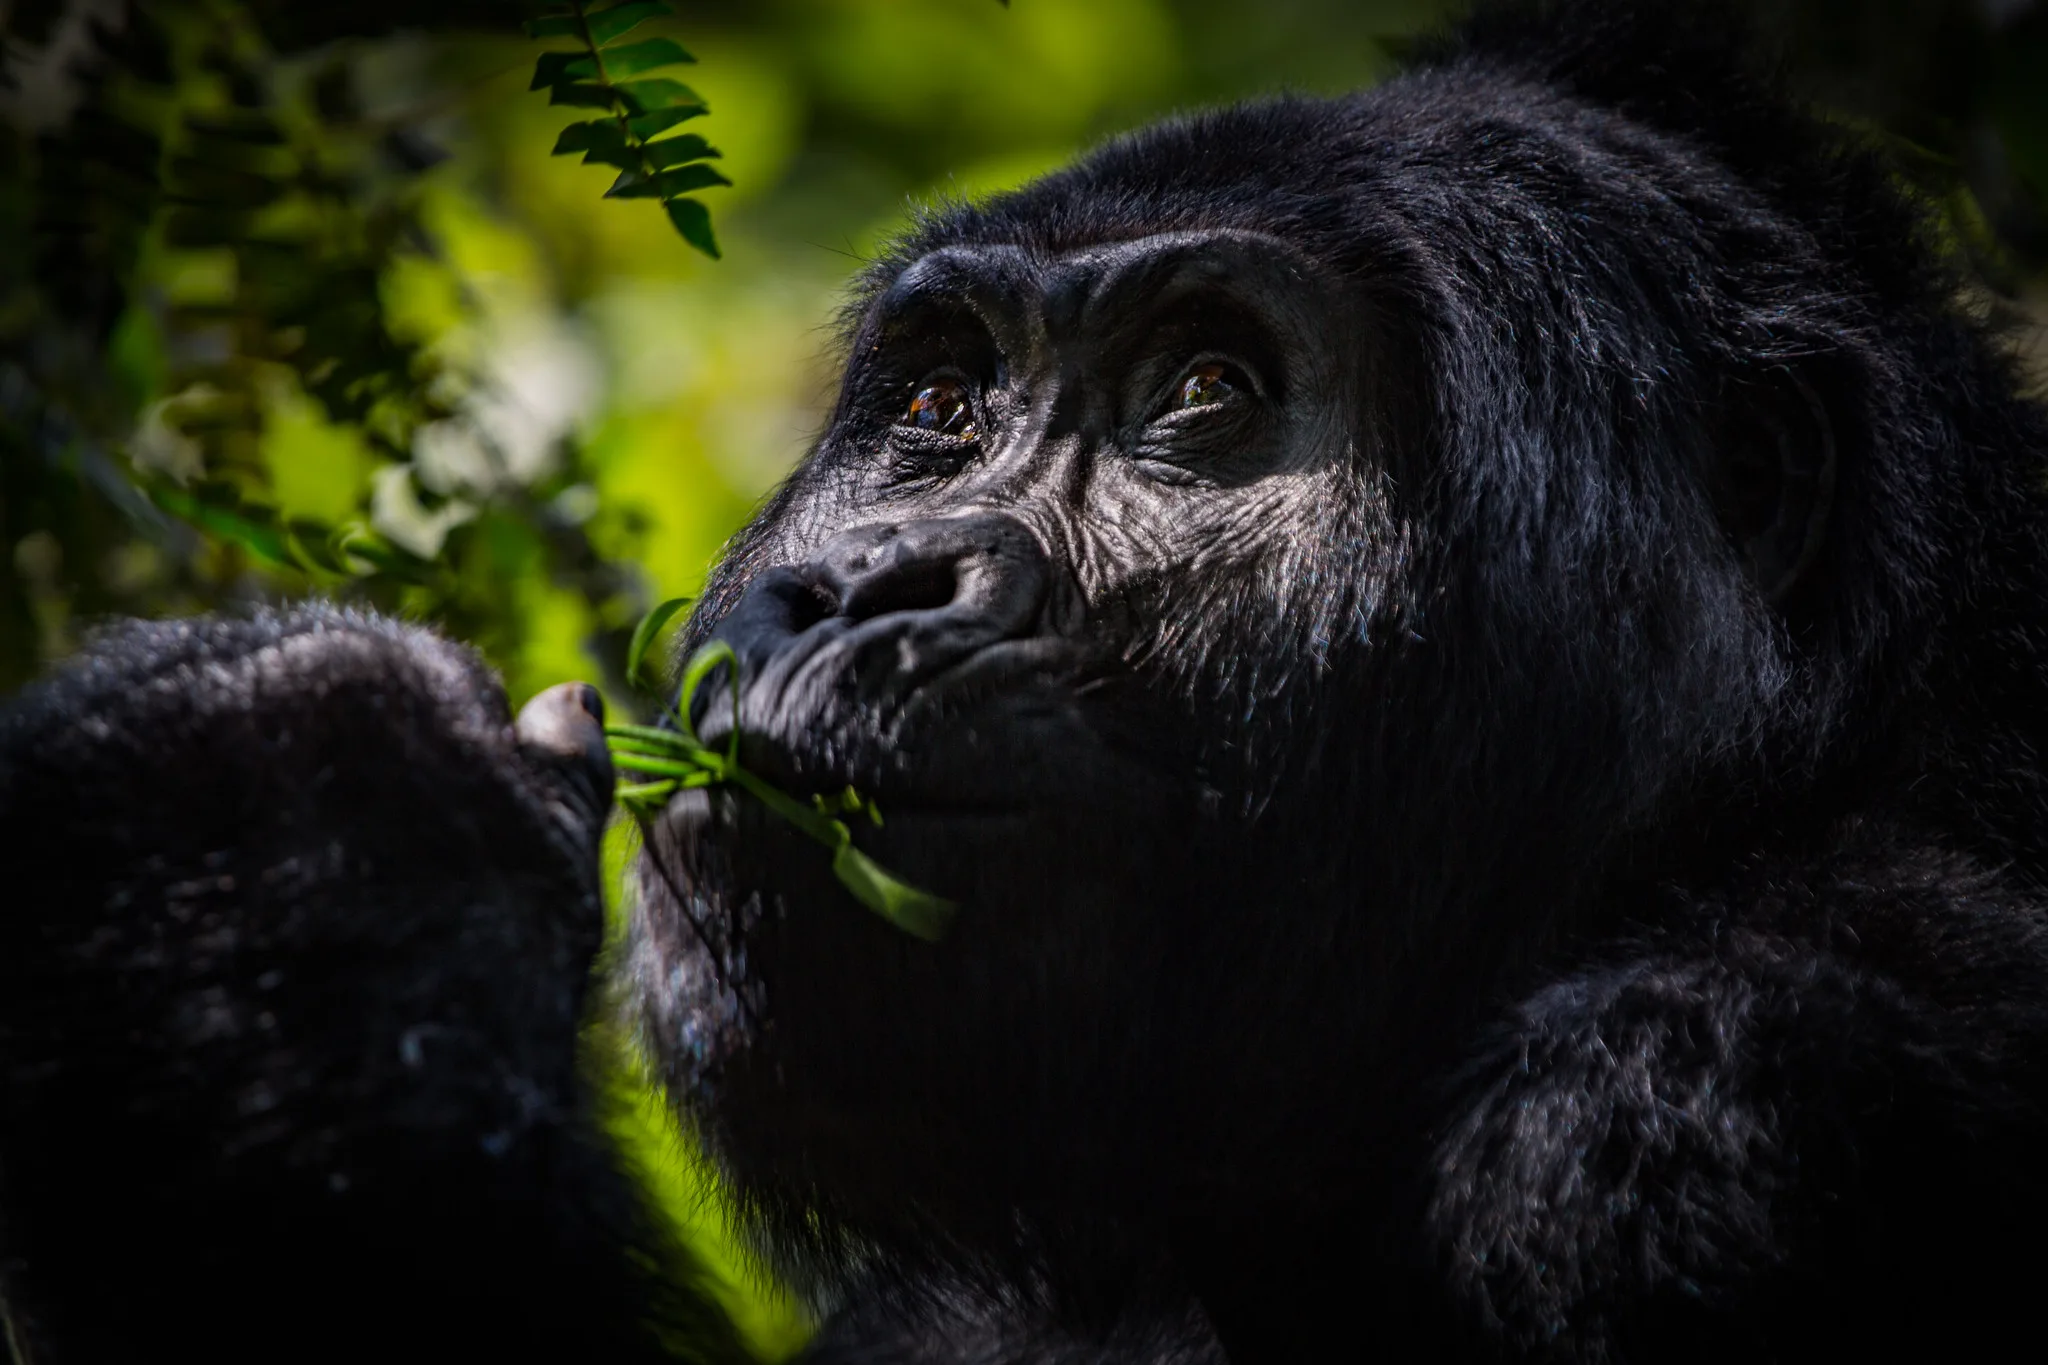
x,y
1473,655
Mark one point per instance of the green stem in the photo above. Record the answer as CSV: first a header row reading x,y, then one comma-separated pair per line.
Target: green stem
x,y
833,834
646,739
662,767
682,760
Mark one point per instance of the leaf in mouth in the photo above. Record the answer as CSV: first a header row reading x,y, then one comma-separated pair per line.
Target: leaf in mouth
x,y
656,762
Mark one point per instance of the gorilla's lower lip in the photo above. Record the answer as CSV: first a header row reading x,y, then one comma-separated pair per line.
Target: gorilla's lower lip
x,y
976,742
903,814
998,665
898,794
962,843
906,824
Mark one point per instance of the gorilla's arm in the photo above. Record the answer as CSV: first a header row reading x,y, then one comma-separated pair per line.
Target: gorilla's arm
x,y
292,965
1777,1128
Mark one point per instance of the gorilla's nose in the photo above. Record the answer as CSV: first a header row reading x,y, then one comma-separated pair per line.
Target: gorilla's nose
x,y
878,611
989,568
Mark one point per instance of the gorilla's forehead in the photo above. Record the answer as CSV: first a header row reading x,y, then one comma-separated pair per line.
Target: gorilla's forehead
x,y
1441,182
1104,290
1216,171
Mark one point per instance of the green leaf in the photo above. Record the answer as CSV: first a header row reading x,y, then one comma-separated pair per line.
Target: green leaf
x,y
214,509
201,228
554,26
614,149
313,544
247,126
709,656
652,55
583,96
597,135
607,24
666,185
684,179
626,159
648,125
213,185
674,151
356,541
644,634
558,68
915,912
693,221
631,184
646,97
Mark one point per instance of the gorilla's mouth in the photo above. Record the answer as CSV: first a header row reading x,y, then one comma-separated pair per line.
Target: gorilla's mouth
x,y
917,665
975,754
993,733
934,784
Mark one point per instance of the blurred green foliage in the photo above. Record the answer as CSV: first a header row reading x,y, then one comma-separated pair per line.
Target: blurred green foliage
x,y
294,297
636,133
303,304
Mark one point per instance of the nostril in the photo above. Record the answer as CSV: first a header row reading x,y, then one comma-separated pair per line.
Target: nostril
x,y
918,585
814,606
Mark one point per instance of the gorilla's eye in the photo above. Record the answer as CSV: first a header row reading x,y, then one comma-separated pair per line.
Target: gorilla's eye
x,y
942,408
1206,386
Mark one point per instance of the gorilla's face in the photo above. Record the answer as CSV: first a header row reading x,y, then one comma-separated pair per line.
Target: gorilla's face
x,y
1043,478
1055,591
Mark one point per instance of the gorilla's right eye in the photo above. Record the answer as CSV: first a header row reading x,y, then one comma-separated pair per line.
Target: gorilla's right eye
x,y
942,408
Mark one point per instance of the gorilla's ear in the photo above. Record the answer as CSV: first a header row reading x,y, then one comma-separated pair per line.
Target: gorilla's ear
x,y
1772,475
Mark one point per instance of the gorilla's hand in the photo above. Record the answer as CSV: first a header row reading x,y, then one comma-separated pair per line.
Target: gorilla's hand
x,y
291,971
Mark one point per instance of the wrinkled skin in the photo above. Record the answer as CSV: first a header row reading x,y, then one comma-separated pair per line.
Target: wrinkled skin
x,y
1470,654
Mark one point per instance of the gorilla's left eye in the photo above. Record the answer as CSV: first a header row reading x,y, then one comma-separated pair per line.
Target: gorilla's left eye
x,y
942,407
1206,386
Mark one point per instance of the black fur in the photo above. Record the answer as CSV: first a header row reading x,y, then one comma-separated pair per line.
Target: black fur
x,y
291,973
1526,841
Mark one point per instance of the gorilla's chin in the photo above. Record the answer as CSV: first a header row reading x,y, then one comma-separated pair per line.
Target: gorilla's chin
x,y
829,1051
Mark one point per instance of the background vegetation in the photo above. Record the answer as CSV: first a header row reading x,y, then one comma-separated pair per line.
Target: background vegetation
x,y
293,297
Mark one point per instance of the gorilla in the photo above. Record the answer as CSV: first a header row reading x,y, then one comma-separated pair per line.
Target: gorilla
x,y
1473,656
